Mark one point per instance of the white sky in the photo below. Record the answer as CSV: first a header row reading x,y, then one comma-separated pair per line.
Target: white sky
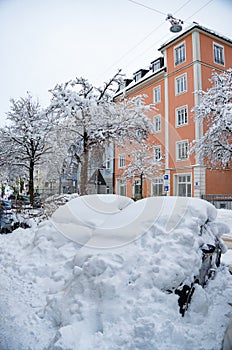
x,y
44,42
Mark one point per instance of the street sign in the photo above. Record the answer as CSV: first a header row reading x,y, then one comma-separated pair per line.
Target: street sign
x,y
166,188
165,176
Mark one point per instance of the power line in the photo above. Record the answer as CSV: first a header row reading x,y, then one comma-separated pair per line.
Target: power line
x,y
180,8
156,28
144,38
147,7
199,10
149,34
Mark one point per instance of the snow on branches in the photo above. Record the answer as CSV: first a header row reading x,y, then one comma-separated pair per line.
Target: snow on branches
x,y
144,160
25,140
215,111
96,119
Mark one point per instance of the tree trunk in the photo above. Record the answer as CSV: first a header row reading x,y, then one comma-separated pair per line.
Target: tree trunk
x,y
141,185
31,182
60,184
84,168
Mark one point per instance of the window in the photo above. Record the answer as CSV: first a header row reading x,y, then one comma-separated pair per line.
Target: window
x,y
183,185
218,52
121,187
182,150
157,123
157,153
181,84
182,116
138,76
156,65
179,54
137,188
107,163
157,187
122,161
156,94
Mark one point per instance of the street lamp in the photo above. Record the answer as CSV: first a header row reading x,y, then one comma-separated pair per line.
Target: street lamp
x,y
175,23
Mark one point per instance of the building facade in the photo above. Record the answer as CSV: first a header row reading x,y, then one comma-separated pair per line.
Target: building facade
x,y
185,66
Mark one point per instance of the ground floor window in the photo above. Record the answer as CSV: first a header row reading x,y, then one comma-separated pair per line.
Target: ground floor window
x,y
121,187
157,186
183,186
137,188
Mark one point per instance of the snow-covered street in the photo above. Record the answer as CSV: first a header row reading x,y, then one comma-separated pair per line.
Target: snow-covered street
x,y
57,294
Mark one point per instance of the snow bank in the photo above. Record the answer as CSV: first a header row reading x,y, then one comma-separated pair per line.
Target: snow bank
x,y
100,273
225,215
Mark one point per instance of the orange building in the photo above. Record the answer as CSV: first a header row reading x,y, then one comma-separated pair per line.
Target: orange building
x,y
185,66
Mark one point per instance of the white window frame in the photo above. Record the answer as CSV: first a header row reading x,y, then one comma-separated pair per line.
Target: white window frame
x,y
157,123
183,84
186,183
183,110
121,187
181,150
157,94
157,183
157,152
179,53
220,47
121,160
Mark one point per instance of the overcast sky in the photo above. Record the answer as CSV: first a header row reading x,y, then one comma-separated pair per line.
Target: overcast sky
x,y
44,42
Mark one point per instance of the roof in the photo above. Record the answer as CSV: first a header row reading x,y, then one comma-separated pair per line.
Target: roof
x,y
192,27
144,79
150,74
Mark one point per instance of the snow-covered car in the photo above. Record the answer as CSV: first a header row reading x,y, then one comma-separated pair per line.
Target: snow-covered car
x,y
175,231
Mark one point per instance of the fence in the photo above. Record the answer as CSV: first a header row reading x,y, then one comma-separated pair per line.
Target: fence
x,y
220,201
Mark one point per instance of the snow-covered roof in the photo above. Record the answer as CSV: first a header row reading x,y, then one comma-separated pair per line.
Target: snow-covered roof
x,y
190,28
152,73
134,83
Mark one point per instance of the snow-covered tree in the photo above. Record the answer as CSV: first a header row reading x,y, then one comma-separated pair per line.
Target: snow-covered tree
x,y
25,140
144,161
57,163
215,112
96,119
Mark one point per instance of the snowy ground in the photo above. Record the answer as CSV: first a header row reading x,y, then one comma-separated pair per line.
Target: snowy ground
x,y
60,291
226,216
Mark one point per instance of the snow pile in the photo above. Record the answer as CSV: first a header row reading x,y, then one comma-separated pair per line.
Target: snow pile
x,y
225,215
80,288
54,202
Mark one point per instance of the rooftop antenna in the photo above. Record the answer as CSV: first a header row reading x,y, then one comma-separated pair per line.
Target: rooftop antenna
x,y
175,23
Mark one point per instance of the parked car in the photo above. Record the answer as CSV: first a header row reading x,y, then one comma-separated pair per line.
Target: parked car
x,y
7,222
18,201
37,201
5,204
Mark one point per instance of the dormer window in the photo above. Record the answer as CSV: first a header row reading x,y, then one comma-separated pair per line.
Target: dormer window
x,y
139,74
125,83
157,64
